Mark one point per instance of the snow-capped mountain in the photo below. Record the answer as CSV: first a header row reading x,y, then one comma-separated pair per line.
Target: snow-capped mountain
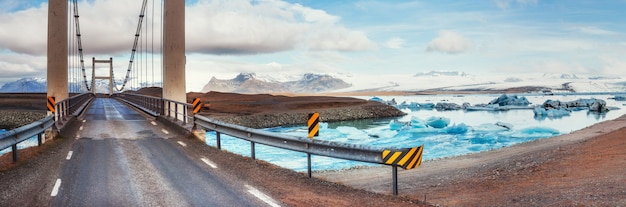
x,y
25,85
251,83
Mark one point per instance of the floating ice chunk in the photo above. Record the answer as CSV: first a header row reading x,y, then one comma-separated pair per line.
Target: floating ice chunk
x,y
536,132
323,125
447,106
560,112
505,100
427,105
352,132
598,106
417,122
457,129
438,122
377,99
397,125
505,125
620,98
490,128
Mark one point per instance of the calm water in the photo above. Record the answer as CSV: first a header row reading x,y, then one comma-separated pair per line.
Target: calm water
x,y
482,134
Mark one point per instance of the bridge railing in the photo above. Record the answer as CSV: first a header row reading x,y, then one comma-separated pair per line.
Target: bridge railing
x,y
72,106
407,158
18,135
157,106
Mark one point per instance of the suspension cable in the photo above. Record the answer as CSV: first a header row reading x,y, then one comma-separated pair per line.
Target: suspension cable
x,y
80,44
152,50
132,54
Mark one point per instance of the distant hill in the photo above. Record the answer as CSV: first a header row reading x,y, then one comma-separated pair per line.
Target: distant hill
x,y
251,83
25,85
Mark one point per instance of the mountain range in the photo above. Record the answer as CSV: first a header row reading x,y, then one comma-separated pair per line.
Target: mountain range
x,y
251,83
345,82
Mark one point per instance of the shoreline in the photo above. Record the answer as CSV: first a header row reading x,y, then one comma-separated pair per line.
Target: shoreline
x,y
455,180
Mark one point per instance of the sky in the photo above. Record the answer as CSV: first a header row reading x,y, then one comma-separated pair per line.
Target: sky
x,y
355,38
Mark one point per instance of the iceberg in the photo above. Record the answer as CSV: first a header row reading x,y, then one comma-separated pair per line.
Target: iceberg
x,y
487,128
438,122
560,112
447,106
536,132
514,100
457,129
417,122
557,108
397,125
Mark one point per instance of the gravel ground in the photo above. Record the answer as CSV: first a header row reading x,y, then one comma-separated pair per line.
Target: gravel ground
x,y
14,119
266,120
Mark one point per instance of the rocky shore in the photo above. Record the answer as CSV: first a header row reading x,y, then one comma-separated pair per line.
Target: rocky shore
x,y
14,119
266,120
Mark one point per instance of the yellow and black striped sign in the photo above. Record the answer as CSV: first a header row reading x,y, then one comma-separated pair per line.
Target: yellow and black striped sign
x,y
314,124
408,158
196,105
51,103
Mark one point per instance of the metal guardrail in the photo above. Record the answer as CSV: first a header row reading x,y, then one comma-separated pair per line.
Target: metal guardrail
x,y
377,155
16,136
72,106
156,106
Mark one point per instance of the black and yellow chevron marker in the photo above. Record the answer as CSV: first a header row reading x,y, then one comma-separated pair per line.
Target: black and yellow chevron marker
x,y
407,158
196,105
51,103
314,124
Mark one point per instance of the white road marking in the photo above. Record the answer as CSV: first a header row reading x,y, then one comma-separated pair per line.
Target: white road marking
x,y
262,196
55,189
81,128
69,155
84,120
153,123
77,136
182,144
165,131
208,162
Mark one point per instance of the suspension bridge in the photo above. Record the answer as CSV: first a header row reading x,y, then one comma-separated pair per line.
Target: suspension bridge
x,y
129,149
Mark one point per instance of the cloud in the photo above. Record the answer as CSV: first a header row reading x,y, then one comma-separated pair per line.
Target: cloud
x,y
25,31
395,43
14,65
242,27
449,42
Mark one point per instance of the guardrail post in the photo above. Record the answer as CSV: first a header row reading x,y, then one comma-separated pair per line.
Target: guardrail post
x,y
39,141
185,112
14,151
219,141
252,153
176,111
395,179
308,159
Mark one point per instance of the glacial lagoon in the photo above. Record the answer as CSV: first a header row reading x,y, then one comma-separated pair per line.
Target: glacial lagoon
x,y
467,131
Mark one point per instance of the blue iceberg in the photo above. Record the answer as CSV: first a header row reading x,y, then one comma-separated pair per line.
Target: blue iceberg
x,y
438,122
457,129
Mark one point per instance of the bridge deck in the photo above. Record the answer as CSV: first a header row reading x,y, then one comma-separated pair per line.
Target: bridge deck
x,y
121,158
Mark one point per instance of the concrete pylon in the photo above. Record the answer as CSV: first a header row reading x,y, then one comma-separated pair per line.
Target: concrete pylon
x,y
174,59
57,49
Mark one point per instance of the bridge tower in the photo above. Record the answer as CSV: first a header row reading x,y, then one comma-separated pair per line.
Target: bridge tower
x,y
57,49
174,58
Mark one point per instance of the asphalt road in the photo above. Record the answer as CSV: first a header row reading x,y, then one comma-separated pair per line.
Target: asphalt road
x,y
121,158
